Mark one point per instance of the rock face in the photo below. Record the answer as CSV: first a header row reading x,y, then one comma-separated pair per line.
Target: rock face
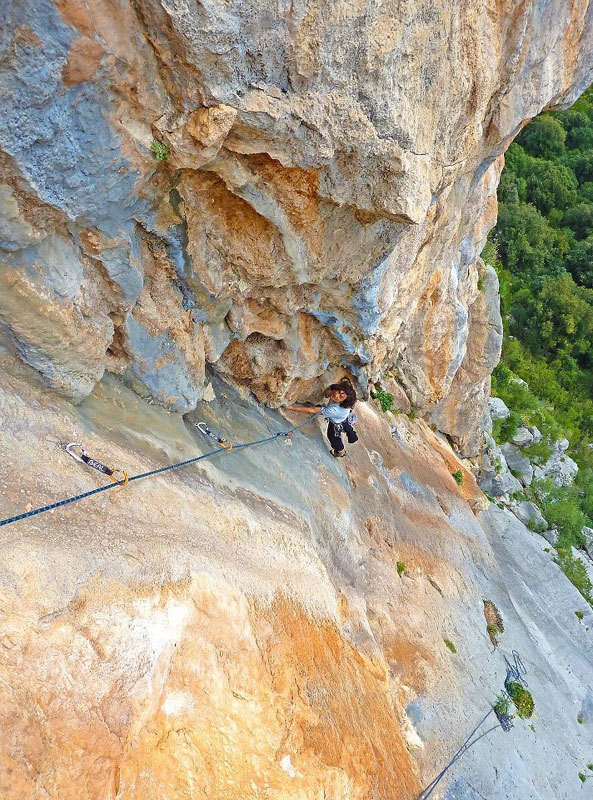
x,y
462,410
559,467
242,627
281,191
229,200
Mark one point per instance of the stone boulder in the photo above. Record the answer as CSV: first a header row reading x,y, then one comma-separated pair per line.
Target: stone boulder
x,y
530,515
498,408
500,485
522,437
518,463
494,476
559,467
588,534
535,433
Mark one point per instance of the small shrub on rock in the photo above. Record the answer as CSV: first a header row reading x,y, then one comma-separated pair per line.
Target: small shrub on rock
x,y
385,399
522,699
160,151
501,706
503,430
494,623
576,573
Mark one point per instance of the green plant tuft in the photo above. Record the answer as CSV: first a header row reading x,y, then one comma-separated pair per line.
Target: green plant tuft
x,y
501,705
579,615
576,573
458,477
522,699
385,399
503,430
401,567
412,414
450,645
492,632
160,150
494,623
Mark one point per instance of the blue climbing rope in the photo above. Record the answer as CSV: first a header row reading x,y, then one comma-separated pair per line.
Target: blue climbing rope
x,y
224,448
425,793
516,671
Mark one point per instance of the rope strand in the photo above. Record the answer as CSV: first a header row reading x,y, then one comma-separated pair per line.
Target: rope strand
x,y
123,482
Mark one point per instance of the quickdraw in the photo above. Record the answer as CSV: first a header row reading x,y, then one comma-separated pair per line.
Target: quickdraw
x,y
203,428
116,475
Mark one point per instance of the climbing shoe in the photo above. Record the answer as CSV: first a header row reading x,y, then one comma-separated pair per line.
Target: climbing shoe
x,y
338,453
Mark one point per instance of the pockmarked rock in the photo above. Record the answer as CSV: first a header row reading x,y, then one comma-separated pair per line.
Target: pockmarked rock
x,y
313,191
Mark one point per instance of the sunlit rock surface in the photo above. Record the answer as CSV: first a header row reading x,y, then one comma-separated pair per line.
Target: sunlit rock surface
x,y
272,189
268,622
271,195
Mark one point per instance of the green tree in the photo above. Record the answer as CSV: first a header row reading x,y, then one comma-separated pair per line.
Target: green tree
x,y
560,317
580,220
550,186
526,240
543,138
579,262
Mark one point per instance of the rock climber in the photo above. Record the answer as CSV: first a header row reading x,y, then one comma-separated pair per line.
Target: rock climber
x,y
339,414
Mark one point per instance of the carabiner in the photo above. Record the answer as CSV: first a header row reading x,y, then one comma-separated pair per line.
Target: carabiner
x,y
75,456
124,477
203,428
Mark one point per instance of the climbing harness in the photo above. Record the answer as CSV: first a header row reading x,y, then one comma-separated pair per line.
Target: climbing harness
x,y
116,475
515,671
227,447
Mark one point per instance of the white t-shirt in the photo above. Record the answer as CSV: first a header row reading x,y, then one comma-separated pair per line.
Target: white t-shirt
x,y
335,412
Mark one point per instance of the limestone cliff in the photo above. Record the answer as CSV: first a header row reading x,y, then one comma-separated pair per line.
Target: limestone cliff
x,y
269,623
262,196
326,180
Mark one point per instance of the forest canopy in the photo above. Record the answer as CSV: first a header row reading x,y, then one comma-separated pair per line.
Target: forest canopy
x,y
542,249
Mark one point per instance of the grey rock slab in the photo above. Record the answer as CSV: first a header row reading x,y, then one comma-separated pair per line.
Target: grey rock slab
x,y
537,604
498,485
517,462
522,437
529,514
498,408
588,534
586,712
536,433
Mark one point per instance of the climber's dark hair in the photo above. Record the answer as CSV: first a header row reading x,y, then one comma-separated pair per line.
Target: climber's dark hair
x,y
344,386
